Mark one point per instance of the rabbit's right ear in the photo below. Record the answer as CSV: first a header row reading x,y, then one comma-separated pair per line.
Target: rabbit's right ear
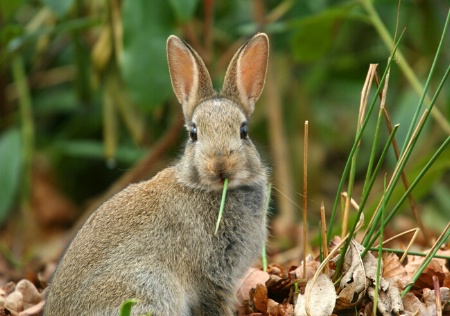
x,y
191,81
246,74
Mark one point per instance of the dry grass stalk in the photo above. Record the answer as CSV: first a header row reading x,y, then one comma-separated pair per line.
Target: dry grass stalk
x,y
362,110
324,237
305,193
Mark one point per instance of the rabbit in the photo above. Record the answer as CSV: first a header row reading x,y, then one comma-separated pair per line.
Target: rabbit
x,y
155,241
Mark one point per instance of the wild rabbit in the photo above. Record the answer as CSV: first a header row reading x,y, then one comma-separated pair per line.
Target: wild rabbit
x,y
155,240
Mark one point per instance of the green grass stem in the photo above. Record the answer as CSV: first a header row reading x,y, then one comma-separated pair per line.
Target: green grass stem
x,y
427,84
380,254
125,309
444,236
357,139
373,151
366,194
222,204
263,251
401,60
405,195
410,253
404,157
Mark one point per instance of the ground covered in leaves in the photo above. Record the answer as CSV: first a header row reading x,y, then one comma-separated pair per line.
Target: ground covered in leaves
x,y
288,291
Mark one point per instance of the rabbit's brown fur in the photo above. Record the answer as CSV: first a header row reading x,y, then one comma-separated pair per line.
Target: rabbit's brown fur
x,y
155,240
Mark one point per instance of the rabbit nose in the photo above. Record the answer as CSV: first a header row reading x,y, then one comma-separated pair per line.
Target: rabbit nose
x,y
220,168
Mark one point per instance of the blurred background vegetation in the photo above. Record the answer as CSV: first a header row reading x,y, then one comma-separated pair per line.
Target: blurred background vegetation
x,y
86,104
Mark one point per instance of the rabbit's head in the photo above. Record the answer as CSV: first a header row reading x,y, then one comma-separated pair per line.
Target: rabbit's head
x,y
219,146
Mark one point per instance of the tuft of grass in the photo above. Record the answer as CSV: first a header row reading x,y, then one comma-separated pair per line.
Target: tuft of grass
x,y
382,216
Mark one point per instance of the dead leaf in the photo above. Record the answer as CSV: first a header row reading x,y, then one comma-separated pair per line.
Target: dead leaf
x,y
446,282
389,300
311,268
33,310
434,268
393,269
429,296
14,302
413,306
30,294
249,281
260,298
319,298
353,282
286,309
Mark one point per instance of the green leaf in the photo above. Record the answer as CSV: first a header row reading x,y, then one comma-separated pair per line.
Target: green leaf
x,y
8,8
315,34
146,26
59,7
184,9
125,310
10,169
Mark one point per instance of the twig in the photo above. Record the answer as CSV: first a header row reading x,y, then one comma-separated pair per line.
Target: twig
x,y
437,295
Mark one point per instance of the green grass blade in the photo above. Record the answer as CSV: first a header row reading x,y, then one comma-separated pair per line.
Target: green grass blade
x,y
405,156
263,251
427,84
373,178
411,253
412,186
125,309
444,236
222,204
357,139
380,253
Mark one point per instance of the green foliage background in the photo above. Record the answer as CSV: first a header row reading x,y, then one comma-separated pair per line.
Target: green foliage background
x,y
84,86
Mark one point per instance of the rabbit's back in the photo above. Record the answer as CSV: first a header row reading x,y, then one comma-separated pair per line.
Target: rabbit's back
x,y
159,232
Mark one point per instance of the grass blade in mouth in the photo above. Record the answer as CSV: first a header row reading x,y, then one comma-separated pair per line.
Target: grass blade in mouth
x,y
222,204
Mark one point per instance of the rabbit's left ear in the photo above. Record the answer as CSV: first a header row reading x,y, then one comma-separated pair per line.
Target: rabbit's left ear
x,y
191,81
246,74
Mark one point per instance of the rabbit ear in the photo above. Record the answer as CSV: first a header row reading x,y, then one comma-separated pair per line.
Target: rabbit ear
x,y
190,78
245,76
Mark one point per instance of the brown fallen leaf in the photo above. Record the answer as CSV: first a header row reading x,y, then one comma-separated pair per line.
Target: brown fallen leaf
x,y
249,281
393,269
311,268
33,310
353,282
30,294
429,296
446,282
286,309
434,268
319,298
14,302
413,306
259,296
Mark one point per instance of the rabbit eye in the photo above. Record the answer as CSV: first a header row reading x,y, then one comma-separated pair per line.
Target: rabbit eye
x,y
244,131
193,133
